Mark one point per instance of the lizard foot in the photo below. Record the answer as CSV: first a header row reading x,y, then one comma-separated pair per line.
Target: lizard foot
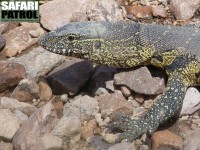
x,y
132,128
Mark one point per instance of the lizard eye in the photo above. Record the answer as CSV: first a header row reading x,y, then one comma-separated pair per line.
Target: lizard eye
x,y
71,38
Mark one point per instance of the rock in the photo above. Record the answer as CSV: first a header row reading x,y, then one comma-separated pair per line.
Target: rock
x,y
139,98
78,10
45,90
109,137
139,11
166,139
124,145
125,91
70,76
21,116
7,26
159,11
10,74
19,39
83,107
99,78
192,140
9,125
43,62
98,144
191,102
68,127
141,81
26,91
110,85
48,142
148,104
88,131
2,41
101,91
184,9
6,146
41,122
115,102
13,104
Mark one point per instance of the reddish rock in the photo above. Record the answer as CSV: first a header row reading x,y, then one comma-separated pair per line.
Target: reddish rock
x,y
139,11
20,39
115,102
159,11
139,98
42,121
45,90
184,9
7,26
141,81
10,75
88,131
26,91
125,91
166,139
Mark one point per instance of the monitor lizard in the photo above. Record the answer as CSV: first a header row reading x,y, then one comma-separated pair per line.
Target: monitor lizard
x,y
126,44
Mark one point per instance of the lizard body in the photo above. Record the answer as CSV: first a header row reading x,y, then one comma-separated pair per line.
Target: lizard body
x,y
125,45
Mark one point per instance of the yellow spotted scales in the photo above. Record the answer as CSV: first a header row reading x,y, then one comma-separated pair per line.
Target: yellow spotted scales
x,y
127,44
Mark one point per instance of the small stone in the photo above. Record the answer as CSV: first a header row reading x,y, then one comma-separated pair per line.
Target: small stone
x,y
110,85
110,138
19,39
26,91
125,91
101,91
139,11
148,104
48,142
115,102
184,9
66,77
9,124
141,81
10,74
43,61
144,147
68,127
45,90
13,104
88,131
139,98
84,107
124,146
64,98
166,139
191,102
6,146
41,122
159,11
21,116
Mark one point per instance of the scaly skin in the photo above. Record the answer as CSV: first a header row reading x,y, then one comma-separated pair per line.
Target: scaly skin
x,y
126,45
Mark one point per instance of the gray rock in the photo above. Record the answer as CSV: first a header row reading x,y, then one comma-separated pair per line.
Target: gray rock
x,y
101,91
83,107
41,122
48,142
141,81
21,116
38,62
9,124
68,127
191,102
184,9
13,104
78,10
124,145
192,141
6,146
19,39
2,41
10,74
115,102
26,91
70,76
